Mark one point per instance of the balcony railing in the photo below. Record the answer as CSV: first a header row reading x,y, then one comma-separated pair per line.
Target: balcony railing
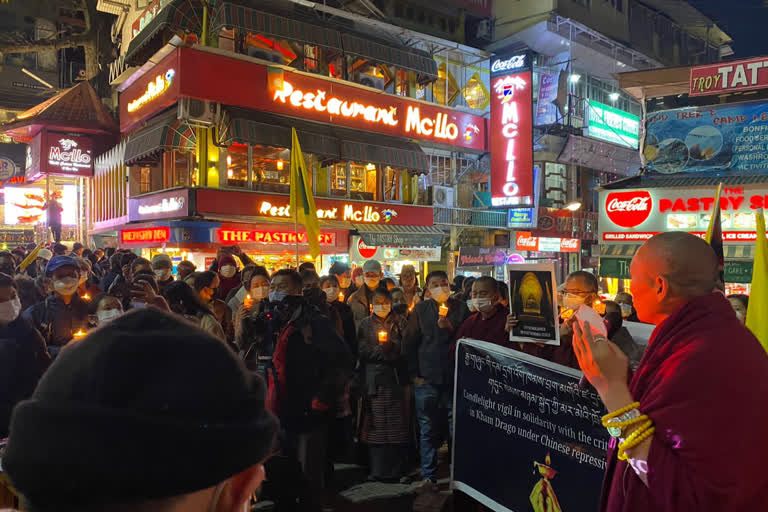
x,y
468,217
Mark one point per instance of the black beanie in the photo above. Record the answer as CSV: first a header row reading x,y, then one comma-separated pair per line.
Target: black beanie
x,y
145,408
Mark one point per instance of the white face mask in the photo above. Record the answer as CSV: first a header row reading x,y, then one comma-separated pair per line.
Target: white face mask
x,y
359,280
9,310
372,282
83,278
67,286
382,310
440,293
331,293
626,310
163,274
471,306
277,296
572,301
344,282
107,315
259,292
482,303
228,271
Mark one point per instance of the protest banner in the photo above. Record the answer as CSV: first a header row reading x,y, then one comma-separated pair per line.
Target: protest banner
x,y
533,300
526,436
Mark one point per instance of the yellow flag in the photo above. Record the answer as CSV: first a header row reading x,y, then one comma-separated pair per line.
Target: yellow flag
x,y
757,320
302,202
29,259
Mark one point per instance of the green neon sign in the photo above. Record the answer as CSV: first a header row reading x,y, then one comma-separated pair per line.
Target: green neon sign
x,y
613,125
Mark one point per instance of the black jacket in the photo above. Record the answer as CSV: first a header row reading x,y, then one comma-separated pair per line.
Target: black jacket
x,y
344,314
23,360
384,363
57,321
427,346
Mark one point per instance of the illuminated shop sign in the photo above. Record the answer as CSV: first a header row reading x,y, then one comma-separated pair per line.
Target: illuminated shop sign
x,y
59,154
164,205
348,212
67,155
504,65
633,216
524,241
511,139
271,237
7,168
158,235
613,125
26,205
723,77
155,88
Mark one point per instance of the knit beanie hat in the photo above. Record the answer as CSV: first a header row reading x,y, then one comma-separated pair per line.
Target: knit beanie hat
x,y
145,408
161,261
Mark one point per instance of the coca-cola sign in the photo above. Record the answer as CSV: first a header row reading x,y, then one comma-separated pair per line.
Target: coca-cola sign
x,y
628,209
525,241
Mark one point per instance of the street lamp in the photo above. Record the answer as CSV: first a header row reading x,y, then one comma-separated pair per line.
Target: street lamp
x,y
614,96
574,78
573,206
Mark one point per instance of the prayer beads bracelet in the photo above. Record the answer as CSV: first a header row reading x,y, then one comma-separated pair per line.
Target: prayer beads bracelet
x,y
635,439
619,412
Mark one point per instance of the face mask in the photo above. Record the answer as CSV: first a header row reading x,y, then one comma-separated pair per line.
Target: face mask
x,y
9,310
572,301
108,314
228,271
372,282
482,303
471,306
359,280
381,310
260,292
440,293
344,282
67,286
277,296
162,274
331,293
626,310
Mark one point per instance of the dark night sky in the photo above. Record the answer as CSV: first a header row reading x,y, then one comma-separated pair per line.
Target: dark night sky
x,y
744,20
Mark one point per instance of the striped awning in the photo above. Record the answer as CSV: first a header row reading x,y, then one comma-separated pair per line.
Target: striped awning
x,y
166,134
262,129
738,252
404,58
400,236
618,250
229,15
179,16
363,147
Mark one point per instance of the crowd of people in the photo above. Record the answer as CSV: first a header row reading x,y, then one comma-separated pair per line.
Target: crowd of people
x,y
348,360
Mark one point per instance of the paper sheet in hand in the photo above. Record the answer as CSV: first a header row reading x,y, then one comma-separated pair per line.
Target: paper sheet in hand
x,y
586,314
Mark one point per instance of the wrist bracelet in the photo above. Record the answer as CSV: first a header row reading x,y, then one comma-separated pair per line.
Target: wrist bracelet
x,y
619,412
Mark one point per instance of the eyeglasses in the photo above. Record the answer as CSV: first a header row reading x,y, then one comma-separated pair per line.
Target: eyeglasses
x,y
579,292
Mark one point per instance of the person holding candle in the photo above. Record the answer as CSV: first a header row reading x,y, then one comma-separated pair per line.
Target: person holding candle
x,y
386,383
344,275
207,284
237,297
360,301
410,285
345,325
430,332
63,312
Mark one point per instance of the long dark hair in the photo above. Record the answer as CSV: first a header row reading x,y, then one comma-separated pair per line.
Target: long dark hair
x,y
183,300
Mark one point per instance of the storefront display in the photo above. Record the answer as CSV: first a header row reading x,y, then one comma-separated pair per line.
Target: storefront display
x,y
392,258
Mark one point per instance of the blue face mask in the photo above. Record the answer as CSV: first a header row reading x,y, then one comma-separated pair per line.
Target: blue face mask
x,y
277,296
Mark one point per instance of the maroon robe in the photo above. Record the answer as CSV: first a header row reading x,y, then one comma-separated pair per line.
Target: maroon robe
x,y
704,382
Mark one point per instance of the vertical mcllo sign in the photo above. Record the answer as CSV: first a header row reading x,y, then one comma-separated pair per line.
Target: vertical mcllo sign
x,y
511,131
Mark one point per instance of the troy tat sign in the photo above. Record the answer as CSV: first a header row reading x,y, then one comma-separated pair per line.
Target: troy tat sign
x,y
724,77
511,132
636,215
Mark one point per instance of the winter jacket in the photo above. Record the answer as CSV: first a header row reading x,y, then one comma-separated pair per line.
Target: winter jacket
x,y
360,304
384,363
56,321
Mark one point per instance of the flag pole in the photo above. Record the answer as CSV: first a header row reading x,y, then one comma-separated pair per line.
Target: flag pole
x,y
294,177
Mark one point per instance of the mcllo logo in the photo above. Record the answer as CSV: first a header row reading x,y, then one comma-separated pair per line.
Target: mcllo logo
x,y
629,209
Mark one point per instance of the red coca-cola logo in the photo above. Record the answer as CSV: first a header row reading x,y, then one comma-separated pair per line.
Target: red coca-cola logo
x,y
569,244
366,251
526,242
628,209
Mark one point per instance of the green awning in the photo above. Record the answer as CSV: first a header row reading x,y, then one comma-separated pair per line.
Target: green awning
x,y
615,267
404,58
178,16
229,15
400,236
164,134
263,129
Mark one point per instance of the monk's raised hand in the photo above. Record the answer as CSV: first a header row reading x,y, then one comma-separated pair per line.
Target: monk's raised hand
x,y
603,363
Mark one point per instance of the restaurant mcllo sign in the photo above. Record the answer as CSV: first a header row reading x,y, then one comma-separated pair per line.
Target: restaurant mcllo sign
x,y
59,154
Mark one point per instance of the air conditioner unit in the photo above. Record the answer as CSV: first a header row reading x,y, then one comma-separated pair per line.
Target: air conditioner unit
x,y
484,30
371,81
441,196
199,112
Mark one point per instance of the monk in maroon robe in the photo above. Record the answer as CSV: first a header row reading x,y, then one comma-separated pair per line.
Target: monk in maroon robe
x,y
703,381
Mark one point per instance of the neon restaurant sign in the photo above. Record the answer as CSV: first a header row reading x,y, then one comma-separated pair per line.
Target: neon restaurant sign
x,y
154,89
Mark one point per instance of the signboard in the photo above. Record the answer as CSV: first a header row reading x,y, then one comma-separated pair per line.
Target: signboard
x,y
633,216
511,131
522,218
613,125
730,137
165,205
7,168
360,251
151,93
524,241
239,236
59,154
543,446
231,202
727,77
615,267
26,205
533,299
159,234
546,110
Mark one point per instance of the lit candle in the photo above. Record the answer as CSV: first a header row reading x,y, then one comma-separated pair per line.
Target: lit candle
x,y
86,297
383,336
410,308
341,296
248,302
443,310
79,334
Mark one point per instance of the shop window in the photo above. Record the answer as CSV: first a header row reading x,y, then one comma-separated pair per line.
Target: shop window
x,y
339,179
311,58
402,84
445,89
440,170
145,180
267,48
272,168
392,184
362,184
365,72
475,93
183,169
237,166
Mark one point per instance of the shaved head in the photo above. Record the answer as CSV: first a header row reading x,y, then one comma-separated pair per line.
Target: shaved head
x,y
669,270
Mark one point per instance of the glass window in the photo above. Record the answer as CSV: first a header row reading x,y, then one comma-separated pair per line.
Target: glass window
x,y
237,166
362,183
272,168
184,172
392,184
368,73
339,179
475,93
401,83
145,180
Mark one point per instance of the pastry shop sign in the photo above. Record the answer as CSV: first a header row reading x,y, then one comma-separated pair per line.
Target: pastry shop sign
x,y
271,237
636,215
